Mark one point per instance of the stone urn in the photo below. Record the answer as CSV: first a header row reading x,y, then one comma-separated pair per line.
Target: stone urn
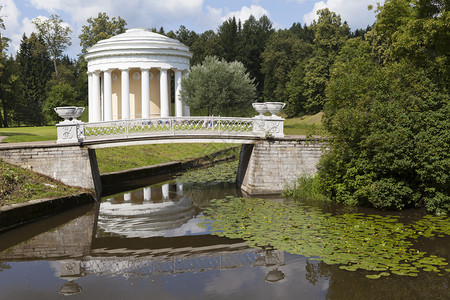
x,y
70,288
69,112
260,107
275,107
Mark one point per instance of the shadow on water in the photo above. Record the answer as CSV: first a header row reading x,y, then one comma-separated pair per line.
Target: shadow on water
x,y
149,241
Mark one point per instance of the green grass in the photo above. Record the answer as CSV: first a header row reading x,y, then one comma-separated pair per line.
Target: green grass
x,y
306,125
123,158
28,134
19,185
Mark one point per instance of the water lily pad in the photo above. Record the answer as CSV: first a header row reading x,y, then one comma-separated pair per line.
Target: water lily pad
x,y
355,241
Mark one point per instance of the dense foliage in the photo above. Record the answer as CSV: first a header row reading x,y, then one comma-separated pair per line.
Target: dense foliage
x,y
388,111
220,87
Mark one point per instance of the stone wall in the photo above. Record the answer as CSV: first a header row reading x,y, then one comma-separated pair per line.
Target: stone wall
x,y
72,239
267,167
71,164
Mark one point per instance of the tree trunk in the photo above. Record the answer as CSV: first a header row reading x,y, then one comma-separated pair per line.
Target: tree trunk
x,y
56,69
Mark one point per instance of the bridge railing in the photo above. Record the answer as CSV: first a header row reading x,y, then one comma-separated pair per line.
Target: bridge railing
x,y
76,131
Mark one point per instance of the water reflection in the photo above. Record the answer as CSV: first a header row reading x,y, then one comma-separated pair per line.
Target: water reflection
x,y
148,242
160,210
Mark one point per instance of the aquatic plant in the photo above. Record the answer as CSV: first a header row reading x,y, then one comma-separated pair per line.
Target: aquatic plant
x,y
225,172
355,241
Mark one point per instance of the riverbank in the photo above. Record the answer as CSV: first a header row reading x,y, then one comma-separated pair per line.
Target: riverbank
x,y
26,195
18,214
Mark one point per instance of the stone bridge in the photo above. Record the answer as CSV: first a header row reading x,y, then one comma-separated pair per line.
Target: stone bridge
x,y
268,161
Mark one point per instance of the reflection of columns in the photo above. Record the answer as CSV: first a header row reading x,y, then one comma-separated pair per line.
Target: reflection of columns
x,y
179,189
145,92
90,98
178,103
127,197
186,109
95,97
164,93
165,191
125,78
107,95
147,193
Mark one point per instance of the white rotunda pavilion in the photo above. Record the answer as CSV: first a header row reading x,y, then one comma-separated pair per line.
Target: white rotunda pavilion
x,y
130,76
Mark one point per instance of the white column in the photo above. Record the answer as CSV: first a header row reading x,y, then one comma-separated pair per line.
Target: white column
x,y
90,99
164,93
186,108
179,189
95,97
145,92
125,79
127,197
108,115
178,102
147,193
165,191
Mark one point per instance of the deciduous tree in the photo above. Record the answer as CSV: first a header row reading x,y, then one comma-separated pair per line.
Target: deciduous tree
x,y
220,87
100,28
56,36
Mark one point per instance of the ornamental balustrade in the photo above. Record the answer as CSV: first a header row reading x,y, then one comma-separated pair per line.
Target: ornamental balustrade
x,y
70,131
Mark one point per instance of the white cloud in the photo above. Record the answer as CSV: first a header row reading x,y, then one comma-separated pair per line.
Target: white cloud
x,y
48,5
25,27
137,13
10,15
245,12
355,12
147,12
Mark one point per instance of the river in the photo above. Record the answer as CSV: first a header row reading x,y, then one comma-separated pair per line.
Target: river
x,y
171,241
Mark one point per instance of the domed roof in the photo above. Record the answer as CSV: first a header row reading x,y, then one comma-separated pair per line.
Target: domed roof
x,y
138,42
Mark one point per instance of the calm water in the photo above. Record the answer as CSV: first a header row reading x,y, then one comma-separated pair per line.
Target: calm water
x,y
147,244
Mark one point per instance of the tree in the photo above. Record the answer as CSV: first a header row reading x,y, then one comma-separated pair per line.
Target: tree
x,y
207,44
56,36
100,28
388,114
417,31
281,54
330,36
252,41
11,100
35,68
186,36
228,34
219,86
61,94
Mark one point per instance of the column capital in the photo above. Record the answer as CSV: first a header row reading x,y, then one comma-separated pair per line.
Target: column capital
x,y
124,69
145,69
96,72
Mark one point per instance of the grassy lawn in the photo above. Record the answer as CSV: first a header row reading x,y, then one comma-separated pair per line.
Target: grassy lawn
x,y
20,185
306,125
28,134
123,158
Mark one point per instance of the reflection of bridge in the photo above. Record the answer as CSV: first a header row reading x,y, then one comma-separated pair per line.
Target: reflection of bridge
x,y
147,257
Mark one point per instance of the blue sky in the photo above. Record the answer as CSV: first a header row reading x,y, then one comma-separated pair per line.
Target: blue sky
x,y
197,15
